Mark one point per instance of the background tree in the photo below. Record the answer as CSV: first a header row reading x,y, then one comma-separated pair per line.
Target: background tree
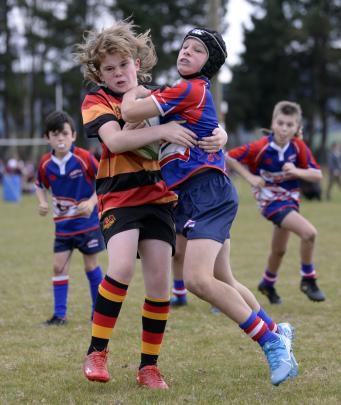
x,y
292,52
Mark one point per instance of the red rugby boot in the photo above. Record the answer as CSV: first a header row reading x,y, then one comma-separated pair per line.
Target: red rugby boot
x,y
150,377
95,366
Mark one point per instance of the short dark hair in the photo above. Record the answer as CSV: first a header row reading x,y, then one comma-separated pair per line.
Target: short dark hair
x,y
55,122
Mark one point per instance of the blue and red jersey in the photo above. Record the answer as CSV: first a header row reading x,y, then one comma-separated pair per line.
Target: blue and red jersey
x,y
190,101
266,159
71,181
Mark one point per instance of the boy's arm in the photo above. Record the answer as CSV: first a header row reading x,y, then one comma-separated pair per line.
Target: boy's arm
x,y
119,141
86,207
215,142
43,206
255,181
137,105
310,174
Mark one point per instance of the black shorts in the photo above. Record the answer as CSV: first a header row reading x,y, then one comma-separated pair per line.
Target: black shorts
x,y
153,220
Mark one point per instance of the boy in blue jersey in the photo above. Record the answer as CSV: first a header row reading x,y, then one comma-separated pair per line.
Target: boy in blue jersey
x,y
273,166
70,173
207,201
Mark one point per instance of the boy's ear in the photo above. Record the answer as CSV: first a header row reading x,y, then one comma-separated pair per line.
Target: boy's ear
x,y
137,63
74,136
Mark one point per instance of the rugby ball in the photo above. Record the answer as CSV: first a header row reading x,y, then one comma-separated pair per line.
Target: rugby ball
x,y
150,151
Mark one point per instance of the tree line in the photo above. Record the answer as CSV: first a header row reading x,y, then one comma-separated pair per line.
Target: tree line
x,y
292,51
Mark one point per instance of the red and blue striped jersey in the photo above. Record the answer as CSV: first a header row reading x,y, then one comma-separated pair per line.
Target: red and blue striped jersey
x,y
71,181
266,159
190,101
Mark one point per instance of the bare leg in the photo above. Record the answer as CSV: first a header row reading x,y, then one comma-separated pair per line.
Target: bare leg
x,y
199,265
223,272
296,223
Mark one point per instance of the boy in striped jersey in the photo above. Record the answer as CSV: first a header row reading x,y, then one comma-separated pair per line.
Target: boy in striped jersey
x,y
70,173
208,201
136,207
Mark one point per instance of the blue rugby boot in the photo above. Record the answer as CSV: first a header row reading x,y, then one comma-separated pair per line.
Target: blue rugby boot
x,y
277,353
288,330
178,301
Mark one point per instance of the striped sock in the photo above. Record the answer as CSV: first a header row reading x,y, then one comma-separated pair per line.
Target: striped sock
x,y
154,319
269,279
308,271
111,295
179,290
257,329
94,277
60,290
266,318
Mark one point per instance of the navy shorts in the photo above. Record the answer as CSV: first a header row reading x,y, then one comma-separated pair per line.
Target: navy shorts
x,y
87,243
154,221
207,206
278,210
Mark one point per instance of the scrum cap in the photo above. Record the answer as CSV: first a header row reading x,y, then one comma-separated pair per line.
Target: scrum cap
x,y
215,47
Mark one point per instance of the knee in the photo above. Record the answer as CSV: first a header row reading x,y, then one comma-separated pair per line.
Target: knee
x,y
57,270
310,235
197,286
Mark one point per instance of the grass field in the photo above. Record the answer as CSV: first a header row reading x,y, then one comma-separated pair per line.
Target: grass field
x,y
205,358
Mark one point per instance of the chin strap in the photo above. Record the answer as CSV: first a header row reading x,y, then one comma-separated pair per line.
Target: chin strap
x,y
192,76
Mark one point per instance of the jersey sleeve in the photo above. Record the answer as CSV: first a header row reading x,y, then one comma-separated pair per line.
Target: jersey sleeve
x,y
42,179
175,99
96,111
250,154
306,159
241,153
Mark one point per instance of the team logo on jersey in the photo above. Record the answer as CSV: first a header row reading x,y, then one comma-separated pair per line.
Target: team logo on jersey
x,y
108,222
76,173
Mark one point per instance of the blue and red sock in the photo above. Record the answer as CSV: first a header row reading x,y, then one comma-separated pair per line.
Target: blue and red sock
x,y
258,330
95,277
60,291
308,271
269,279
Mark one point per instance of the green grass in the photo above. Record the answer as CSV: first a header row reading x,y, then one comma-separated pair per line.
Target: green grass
x,y
205,358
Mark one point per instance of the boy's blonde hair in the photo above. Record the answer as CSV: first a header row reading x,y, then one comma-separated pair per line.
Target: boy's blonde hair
x,y
287,108
120,38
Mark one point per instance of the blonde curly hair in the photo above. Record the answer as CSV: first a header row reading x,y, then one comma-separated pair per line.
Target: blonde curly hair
x,y
120,38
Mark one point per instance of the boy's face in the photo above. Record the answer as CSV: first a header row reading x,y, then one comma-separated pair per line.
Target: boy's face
x,y
192,57
284,128
119,72
61,141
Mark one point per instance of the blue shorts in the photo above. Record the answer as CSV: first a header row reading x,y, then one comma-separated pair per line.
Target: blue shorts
x,y
207,206
278,210
87,243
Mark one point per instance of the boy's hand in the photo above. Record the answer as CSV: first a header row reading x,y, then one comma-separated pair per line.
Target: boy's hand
x,y
142,92
43,208
290,170
85,208
215,142
176,133
256,181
